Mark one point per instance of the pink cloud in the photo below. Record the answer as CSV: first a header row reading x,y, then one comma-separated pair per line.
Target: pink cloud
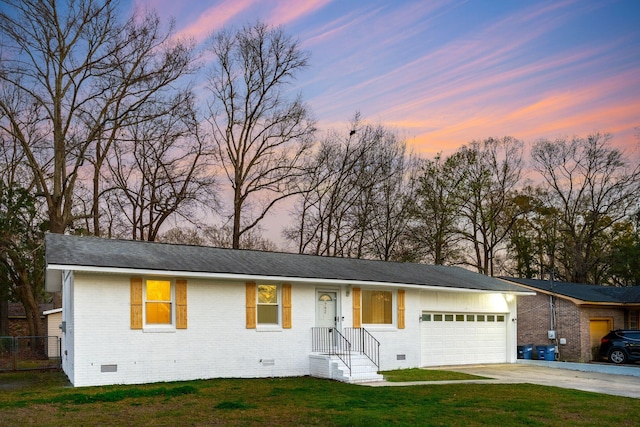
x,y
288,11
213,19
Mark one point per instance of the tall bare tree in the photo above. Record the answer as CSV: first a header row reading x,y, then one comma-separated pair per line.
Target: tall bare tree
x,y
71,75
356,194
261,133
162,170
489,205
592,186
384,207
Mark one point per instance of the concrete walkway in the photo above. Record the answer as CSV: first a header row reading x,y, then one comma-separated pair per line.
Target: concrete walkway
x,y
606,379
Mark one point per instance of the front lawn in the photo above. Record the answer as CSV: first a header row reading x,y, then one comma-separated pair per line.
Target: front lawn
x,y
45,398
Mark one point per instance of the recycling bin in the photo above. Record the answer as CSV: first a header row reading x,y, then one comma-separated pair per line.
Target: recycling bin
x,y
525,351
546,352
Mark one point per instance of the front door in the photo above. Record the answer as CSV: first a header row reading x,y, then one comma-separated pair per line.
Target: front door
x,y
326,313
598,328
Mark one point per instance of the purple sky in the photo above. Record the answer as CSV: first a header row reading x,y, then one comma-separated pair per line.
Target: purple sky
x,y
446,72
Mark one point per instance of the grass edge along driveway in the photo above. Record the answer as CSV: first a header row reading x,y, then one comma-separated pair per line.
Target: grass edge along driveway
x,y
45,398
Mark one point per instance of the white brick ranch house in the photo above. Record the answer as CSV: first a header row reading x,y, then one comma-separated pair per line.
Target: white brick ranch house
x,y
141,312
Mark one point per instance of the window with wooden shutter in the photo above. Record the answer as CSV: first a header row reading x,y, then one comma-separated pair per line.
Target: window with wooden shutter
x,y
136,302
286,306
181,304
401,309
355,292
251,305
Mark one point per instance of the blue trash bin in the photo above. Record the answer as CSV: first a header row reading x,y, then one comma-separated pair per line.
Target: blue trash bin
x,y
525,351
546,352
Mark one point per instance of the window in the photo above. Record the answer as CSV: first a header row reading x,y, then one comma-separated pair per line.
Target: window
x,y
158,302
377,307
448,317
633,319
268,308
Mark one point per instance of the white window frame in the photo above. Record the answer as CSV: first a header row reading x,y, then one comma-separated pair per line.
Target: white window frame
x,y
158,327
269,326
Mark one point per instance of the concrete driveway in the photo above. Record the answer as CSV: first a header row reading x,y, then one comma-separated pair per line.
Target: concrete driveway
x,y
606,379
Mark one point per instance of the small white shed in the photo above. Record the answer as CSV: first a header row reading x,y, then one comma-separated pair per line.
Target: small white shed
x,y
53,324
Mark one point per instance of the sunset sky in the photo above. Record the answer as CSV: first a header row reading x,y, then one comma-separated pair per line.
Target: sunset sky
x,y
446,72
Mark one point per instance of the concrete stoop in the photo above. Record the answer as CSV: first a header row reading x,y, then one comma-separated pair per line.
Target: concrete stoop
x,y
362,369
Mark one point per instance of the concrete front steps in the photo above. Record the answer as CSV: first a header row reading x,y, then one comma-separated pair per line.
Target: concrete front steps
x,y
331,367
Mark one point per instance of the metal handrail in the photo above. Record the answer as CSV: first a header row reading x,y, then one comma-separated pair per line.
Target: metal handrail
x,y
365,343
332,342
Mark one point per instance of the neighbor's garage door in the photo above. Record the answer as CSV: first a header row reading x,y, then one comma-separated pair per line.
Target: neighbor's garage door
x,y
463,338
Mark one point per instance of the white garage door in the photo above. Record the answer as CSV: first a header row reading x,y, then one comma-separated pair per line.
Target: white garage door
x,y
463,338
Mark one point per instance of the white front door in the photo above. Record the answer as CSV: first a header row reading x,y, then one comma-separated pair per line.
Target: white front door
x,y
326,315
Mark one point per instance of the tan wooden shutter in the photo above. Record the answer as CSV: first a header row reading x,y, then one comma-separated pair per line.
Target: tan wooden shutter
x,y
400,308
286,306
181,304
355,292
136,303
251,305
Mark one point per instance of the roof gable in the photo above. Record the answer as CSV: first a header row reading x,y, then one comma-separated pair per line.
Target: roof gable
x,y
75,251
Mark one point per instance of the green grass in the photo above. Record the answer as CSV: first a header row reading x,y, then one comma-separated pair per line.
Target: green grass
x,y
417,374
45,398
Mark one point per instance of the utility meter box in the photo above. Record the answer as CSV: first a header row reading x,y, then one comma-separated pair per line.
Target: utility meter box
x,y
551,335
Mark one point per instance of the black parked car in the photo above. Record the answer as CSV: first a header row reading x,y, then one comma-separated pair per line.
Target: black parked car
x,y
621,346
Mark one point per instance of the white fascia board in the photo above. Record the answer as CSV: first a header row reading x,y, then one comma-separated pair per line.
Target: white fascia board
x,y
266,279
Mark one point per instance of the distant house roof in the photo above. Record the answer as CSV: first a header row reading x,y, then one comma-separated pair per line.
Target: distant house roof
x,y
584,293
16,309
97,254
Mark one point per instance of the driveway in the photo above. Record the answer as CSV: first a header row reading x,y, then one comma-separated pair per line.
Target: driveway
x,y
620,382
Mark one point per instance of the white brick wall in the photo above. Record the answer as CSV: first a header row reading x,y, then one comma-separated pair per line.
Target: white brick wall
x,y
216,343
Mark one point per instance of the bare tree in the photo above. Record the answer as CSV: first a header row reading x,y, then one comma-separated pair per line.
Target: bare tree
x,y
162,171
433,232
261,134
592,187
489,205
182,235
356,194
71,75
384,207
221,237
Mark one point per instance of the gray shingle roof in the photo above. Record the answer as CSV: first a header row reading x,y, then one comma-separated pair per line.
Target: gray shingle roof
x,y
586,293
76,251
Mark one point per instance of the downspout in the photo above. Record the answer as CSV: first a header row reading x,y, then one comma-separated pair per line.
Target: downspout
x,y
552,316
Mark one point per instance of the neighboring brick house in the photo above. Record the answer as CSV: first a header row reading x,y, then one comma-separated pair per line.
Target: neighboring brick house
x,y
583,315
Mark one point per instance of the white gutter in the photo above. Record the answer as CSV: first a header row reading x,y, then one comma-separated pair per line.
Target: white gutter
x,y
263,279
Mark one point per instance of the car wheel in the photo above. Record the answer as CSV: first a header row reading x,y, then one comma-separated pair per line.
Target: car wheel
x,y
617,356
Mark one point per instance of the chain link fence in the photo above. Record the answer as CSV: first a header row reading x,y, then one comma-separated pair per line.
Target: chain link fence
x,y
24,353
